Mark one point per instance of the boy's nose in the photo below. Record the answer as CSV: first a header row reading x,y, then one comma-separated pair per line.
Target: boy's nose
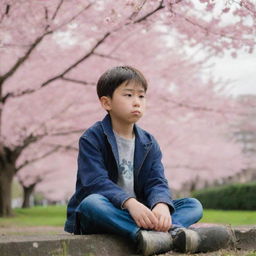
x,y
136,102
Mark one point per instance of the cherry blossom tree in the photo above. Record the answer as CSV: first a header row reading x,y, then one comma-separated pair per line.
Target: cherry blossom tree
x,y
52,52
33,34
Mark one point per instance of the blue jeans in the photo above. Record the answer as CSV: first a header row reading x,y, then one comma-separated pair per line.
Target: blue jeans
x,y
99,215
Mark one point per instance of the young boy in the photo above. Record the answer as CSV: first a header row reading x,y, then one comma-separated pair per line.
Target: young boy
x,y
121,187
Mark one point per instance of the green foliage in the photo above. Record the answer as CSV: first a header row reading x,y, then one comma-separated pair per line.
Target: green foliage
x,y
229,197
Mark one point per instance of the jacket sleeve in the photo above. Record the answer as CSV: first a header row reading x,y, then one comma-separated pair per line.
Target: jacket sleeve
x,y
93,176
156,186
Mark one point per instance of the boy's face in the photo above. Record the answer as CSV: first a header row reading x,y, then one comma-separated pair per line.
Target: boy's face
x,y
127,103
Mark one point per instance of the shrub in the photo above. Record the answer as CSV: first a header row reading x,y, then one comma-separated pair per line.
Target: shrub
x,y
229,197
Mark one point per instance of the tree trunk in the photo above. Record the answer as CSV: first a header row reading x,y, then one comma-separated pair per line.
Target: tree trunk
x,y
7,166
6,178
27,192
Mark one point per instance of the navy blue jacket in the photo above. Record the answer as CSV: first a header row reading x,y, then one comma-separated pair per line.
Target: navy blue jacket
x,y
98,171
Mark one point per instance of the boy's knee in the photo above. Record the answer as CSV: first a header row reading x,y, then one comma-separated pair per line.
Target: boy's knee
x,y
91,202
196,204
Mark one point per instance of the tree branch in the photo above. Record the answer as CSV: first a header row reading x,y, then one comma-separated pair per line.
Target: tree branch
x,y
6,12
22,59
26,142
77,81
201,108
66,147
28,162
160,6
46,15
73,18
35,138
37,180
195,108
79,131
78,61
57,9
207,31
17,94
135,13
107,56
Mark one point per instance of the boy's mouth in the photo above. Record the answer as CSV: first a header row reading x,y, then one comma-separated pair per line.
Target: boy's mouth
x,y
136,112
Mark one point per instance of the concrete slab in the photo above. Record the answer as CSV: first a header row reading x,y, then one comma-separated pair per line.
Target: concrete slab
x,y
246,238
95,245
65,245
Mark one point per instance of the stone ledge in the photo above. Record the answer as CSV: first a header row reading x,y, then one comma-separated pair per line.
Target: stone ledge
x,y
246,238
65,245
92,245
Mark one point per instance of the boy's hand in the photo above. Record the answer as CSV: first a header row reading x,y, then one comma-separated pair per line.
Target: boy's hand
x,y
162,213
142,215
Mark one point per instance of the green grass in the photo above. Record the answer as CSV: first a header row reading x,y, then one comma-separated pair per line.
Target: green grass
x,y
230,217
36,216
56,215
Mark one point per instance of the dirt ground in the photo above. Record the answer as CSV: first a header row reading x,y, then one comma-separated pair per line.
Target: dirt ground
x,y
218,253
30,230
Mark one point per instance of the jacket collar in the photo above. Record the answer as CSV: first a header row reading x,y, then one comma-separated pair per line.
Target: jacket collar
x,y
142,143
140,134
107,129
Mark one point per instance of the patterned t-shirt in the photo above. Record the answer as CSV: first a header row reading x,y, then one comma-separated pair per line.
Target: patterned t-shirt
x,y
126,157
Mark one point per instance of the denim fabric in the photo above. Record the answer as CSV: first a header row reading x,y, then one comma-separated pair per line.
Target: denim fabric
x,y
98,171
99,215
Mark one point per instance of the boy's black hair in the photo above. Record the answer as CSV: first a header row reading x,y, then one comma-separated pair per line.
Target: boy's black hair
x,y
114,77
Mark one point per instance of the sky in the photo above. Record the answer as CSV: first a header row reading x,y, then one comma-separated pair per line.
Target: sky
x,y
240,71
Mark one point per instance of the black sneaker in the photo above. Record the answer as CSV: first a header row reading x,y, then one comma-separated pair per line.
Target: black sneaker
x,y
205,239
215,238
153,242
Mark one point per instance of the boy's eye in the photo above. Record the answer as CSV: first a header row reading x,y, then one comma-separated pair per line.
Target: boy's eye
x,y
128,95
142,96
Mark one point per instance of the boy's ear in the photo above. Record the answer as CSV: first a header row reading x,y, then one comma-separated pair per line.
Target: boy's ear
x,y
105,102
